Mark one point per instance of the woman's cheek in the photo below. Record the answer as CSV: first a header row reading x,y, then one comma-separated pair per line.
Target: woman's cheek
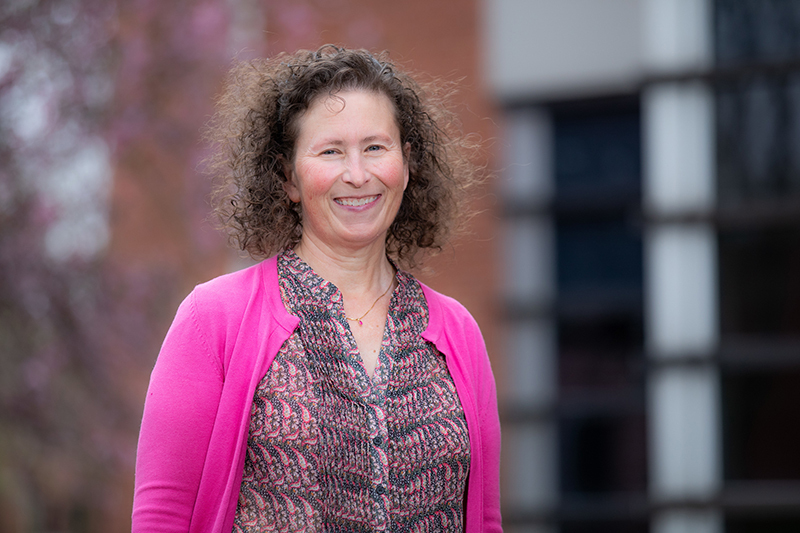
x,y
391,172
317,178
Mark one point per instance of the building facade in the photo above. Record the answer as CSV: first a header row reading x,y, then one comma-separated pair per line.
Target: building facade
x,y
651,199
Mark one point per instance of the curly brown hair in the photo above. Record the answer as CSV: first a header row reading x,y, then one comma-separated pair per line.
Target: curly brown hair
x,y
253,136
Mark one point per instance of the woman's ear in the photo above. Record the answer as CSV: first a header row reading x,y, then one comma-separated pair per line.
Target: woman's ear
x,y
290,181
406,162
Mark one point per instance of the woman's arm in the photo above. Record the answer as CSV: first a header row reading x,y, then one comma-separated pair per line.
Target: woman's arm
x,y
486,395
179,414
490,440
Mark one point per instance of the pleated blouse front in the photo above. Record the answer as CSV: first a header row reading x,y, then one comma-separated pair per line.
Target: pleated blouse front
x,y
332,449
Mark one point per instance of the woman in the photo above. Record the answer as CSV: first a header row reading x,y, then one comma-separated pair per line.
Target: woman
x,y
324,389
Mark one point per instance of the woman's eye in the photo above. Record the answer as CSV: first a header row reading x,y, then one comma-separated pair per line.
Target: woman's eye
x,y
374,148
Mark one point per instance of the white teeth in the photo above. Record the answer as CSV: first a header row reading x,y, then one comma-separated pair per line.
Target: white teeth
x,y
355,202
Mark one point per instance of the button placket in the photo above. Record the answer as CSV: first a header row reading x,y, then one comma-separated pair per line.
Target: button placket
x,y
379,462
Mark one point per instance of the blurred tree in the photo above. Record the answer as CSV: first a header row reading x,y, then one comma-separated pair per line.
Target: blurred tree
x,y
69,324
101,233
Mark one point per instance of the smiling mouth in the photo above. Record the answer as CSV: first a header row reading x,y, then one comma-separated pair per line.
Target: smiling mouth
x,y
356,202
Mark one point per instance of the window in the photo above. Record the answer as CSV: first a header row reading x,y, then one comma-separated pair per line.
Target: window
x,y
757,42
597,412
598,246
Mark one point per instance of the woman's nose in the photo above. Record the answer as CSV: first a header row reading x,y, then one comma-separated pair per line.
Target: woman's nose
x,y
355,171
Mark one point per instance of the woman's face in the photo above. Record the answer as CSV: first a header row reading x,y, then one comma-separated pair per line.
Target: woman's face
x,y
349,170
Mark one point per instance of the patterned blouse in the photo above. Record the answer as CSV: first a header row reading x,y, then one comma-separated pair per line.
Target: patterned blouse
x,y
331,449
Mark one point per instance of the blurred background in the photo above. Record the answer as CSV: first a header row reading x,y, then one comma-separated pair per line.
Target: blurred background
x,y
634,263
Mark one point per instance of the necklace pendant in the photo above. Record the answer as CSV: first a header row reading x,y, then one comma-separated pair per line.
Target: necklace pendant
x,y
360,323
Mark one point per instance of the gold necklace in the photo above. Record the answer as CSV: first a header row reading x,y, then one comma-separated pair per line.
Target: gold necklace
x,y
360,323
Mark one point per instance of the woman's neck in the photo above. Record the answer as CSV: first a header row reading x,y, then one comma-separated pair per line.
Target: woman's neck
x,y
360,271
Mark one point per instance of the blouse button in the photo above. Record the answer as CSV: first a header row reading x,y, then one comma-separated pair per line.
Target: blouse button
x,y
381,490
377,441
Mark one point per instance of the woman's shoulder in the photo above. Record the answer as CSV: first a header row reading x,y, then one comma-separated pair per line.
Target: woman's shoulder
x,y
443,307
456,333
447,317
231,293
237,281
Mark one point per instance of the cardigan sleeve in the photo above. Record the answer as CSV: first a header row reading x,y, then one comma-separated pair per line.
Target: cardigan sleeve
x,y
490,438
179,413
456,333
482,384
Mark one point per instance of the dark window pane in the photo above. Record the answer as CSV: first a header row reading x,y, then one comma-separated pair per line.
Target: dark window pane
x,y
602,454
597,154
611,526
760,282
748,31
761,425
603,353
599,256
762,525
758,139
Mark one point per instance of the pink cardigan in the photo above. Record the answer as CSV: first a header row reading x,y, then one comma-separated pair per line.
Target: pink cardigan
x,y
197,412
